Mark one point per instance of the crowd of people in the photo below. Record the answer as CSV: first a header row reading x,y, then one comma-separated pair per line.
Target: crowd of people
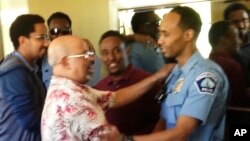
x,y
51,87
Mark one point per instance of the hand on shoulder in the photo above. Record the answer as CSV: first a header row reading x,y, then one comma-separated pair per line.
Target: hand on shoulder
x,y
164,71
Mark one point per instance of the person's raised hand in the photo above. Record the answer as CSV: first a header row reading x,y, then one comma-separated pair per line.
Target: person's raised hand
x,y
164,71
110,134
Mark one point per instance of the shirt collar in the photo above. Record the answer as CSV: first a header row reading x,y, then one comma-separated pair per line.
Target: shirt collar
x,y
191,62
22,59
59,80
125,76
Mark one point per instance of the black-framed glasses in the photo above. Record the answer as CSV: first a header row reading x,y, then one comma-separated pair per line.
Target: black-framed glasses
x,y
60,31
42,37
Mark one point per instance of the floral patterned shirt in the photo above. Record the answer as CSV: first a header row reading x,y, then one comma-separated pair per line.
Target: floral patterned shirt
x,y
73,111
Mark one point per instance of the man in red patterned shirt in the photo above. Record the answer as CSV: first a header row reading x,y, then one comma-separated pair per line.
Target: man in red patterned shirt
x,y
73,110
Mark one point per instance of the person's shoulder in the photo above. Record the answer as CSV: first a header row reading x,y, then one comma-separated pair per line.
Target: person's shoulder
x,y
103,82
136,46
210,78
20,76
135,43
12,64
206,63
209,67
140,72
10,61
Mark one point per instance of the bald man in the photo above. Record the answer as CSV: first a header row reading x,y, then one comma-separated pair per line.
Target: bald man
x,y
73,110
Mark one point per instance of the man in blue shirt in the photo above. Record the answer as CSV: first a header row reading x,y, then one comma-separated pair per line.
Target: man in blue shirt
x,y
193,106
197,89
21,92
142,55
59,24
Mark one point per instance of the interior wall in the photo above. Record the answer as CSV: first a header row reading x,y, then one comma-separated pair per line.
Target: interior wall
x,y
89,17
9,10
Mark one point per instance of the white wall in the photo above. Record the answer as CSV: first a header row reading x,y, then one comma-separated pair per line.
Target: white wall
x,y
10,9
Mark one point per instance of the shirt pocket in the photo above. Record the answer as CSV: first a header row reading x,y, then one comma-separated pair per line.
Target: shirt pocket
x,y
174,104
176,99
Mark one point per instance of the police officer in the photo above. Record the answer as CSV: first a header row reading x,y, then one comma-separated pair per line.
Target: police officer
x,y
193,106
197,89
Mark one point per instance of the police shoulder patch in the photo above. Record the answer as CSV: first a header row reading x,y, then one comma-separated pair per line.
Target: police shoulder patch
x,y
206,83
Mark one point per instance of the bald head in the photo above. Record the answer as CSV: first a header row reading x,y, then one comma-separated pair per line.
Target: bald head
x,y
71,57
64,46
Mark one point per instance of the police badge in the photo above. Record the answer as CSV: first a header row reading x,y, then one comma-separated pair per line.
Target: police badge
x,y
178,85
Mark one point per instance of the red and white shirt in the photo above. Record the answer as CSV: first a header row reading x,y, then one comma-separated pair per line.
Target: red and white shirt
x,y
73,111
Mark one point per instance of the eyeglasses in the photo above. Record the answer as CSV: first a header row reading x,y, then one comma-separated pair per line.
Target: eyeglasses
x,y
58,31
85,55
42,37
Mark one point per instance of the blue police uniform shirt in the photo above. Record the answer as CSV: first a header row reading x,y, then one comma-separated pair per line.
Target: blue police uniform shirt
x,y
46,72
199,89
145,57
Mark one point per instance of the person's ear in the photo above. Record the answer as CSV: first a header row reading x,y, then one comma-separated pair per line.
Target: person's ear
x,y
189,34
64,63
22,40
